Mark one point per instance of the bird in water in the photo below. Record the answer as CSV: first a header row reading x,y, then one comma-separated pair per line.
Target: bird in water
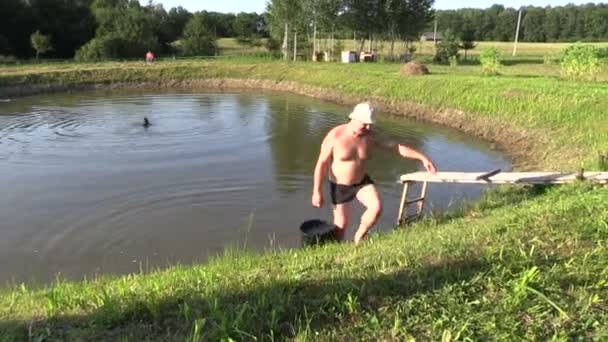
x,y
146,122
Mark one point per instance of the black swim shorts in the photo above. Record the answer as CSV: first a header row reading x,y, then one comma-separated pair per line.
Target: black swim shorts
x,y
341,193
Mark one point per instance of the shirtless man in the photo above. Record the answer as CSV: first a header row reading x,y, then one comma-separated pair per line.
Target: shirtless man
x,y
348,145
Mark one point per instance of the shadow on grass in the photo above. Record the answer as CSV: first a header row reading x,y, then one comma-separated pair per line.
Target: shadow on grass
x,y
282,309
494,198
523,60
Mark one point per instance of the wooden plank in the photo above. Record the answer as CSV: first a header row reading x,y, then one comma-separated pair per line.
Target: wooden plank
x,y
414,201
504,177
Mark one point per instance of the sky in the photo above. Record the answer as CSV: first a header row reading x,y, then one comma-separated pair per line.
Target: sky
x,y
235,6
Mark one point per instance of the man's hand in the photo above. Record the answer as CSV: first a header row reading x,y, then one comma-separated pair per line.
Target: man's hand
x,y
429,166
317,199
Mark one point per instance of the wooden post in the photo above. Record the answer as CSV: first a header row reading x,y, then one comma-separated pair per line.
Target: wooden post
x,y
517,34
295,45
422,198
402,205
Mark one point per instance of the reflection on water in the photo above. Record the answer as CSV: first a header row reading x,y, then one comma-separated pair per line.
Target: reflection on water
x,y
87,189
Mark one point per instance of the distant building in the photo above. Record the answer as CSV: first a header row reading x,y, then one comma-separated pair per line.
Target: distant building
x,y
428,37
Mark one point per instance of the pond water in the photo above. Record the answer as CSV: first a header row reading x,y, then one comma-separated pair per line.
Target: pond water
x,y
87,190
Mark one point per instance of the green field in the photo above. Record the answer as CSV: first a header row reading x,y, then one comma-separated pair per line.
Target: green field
x,y
229,46
524,263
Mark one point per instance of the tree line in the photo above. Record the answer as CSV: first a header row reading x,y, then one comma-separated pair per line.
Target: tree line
x,y
569,23
111,28
104,29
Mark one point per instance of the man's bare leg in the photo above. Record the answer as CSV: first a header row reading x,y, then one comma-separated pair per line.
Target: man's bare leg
x,y
341,212
368,196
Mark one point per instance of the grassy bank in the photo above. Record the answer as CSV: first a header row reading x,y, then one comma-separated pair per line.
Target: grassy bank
x,y
524,263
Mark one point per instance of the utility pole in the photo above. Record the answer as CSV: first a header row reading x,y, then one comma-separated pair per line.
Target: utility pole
x,y
517,33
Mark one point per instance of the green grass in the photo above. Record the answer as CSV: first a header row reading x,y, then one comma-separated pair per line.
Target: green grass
x,y
525,263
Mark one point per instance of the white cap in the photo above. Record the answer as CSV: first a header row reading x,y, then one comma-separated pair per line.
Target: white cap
x,y
363,112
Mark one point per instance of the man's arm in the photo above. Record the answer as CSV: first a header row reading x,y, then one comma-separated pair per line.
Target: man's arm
x,y
407,152
321,168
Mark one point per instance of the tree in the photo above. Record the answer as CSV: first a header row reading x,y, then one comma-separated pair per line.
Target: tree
x,y
328,20
489,21
366,17
533,25
568,23
70,22
416,15
177,19
198,40
450,20
41,43
467,40
245,26
126,29
505,26
473,18
16,24
284,15
447,48
552,26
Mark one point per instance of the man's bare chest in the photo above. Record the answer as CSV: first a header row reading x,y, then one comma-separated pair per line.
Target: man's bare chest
x,y
351,149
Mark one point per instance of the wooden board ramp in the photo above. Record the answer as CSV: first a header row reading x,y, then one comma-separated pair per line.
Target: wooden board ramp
x,y
491,177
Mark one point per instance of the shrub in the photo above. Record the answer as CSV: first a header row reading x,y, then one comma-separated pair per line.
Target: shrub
x,y
580,61
453,61
447,48
100,48
198,40
602,52
7,59
40,42
490,60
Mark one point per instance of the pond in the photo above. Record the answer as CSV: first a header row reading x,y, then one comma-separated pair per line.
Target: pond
x,y
88,190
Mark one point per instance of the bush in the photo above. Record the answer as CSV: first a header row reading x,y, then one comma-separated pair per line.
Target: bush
x,y
198,40
111,47
580,61
446,49
106,47
602,52
453,61
273,45
490,60
7,59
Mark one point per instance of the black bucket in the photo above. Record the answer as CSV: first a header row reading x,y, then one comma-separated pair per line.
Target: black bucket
x,y
317,232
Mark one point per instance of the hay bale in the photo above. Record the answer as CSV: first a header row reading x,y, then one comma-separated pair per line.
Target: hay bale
x,y
414,68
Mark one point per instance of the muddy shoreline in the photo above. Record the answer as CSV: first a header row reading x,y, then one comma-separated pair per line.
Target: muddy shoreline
x,y
520,144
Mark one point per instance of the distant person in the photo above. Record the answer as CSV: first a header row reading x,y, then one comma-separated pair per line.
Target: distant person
x,y
344,152
146,122
149,57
